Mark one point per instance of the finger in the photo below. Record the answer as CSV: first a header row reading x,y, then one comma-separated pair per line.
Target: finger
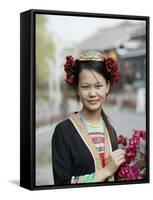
x,y
121,151
116,157
117,160
120,157
118,152
121,161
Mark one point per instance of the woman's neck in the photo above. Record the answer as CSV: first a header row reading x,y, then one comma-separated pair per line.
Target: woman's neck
x,y
93,117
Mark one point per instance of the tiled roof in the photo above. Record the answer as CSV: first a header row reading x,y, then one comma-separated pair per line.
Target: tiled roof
x,y
110,38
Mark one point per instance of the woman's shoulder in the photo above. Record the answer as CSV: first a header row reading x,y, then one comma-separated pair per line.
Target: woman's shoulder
x,y
63,127
63,131
63,124
66,123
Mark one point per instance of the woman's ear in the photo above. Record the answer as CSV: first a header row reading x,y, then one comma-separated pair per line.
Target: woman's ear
x,y
107,87
77,91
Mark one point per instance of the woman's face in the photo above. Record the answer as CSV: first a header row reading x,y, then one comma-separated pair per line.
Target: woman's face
x,y
92,89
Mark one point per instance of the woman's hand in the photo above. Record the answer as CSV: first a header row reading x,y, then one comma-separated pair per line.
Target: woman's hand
x,y
112,163
114,160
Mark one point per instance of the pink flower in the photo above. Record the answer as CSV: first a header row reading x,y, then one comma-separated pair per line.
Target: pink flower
x,y
134,142
122,140
136,133
130,169
143,134
130,154
139,133
129,173
123,171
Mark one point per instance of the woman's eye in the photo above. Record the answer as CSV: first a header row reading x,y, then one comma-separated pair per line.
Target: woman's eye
x,y
84,87
98,86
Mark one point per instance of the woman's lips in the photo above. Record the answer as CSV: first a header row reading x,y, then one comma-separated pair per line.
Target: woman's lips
x,y
93,101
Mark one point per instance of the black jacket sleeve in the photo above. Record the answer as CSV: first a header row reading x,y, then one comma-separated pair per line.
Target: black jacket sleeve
x,y
61,157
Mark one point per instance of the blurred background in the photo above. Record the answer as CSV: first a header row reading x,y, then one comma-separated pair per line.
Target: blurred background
x,y
59,36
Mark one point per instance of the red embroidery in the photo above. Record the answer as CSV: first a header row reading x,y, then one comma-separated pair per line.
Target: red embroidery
x,y
102,156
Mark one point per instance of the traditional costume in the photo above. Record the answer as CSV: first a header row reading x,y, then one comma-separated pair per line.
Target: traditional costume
x,y
79,150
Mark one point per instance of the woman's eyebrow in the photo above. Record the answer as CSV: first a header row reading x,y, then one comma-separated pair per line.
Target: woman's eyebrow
x,y
90,83
85,83
99,82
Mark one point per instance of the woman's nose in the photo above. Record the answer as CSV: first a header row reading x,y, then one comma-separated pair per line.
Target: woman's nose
x,y
92,92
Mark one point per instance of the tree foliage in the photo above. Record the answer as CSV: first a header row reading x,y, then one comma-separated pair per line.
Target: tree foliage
x,y
44,51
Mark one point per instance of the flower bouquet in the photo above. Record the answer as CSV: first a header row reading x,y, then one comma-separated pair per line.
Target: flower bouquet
x,y
134,167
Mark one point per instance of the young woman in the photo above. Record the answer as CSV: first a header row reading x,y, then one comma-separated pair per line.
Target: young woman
x,y
84,146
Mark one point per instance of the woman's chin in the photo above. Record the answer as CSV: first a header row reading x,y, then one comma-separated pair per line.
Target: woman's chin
x,y
93,107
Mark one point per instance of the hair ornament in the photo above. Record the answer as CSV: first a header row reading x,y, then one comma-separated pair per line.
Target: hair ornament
x,y
112,68
110,63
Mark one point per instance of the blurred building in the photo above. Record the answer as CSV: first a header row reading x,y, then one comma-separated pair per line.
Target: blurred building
x,y
126,43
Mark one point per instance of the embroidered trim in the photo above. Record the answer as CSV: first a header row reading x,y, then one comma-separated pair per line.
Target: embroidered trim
x,y
75,119
75,179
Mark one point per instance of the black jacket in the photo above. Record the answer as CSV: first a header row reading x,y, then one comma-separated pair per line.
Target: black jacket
x,y
70,155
